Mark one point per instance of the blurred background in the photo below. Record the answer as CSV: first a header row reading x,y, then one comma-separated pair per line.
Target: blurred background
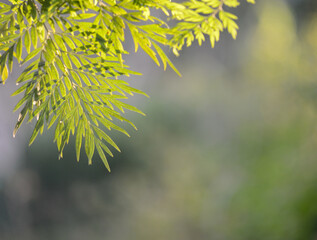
x,y
227,152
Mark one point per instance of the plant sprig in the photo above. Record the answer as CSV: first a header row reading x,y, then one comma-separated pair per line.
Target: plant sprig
x,y
73,53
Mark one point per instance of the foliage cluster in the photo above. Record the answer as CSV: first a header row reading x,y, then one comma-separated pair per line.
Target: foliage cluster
x,y
73,55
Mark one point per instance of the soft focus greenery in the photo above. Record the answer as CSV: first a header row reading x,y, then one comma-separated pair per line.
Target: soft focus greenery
x,y
228,153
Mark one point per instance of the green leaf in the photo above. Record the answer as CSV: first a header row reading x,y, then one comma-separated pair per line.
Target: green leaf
x,y
84,16
4,9
6,46
10,58
89,145
79,134
103,157
122,105
103,135
19,49
40,108
62,88
20,16
5,74
26,98
9,37
53,119
107,150
68,83
165,59
27,41
22,88
75,61
34,36
51,24
41,32
54,72
76,78
149,51
36,130
21,118
32,55
66,61
69,42
84,78
60,42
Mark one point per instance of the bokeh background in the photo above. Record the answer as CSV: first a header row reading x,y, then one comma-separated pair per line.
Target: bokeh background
x,y
227,152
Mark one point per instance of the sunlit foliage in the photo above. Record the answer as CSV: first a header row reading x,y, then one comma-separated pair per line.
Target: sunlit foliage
x,y
73,56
